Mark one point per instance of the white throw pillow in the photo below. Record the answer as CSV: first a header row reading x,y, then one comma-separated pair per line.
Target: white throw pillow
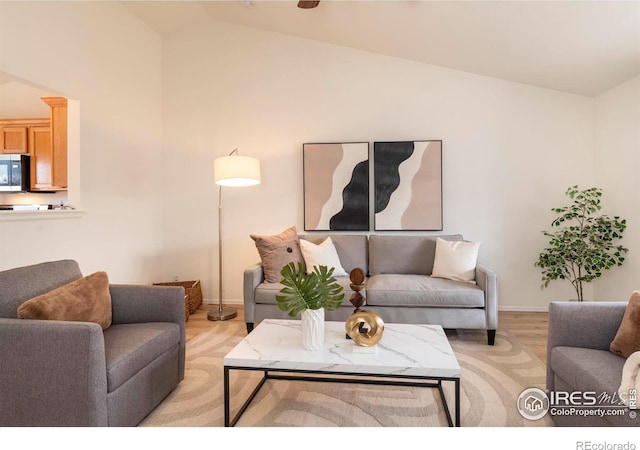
x,y
456,260
324,254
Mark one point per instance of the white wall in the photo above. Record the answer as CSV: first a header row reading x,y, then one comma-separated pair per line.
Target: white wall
x,y
510,150
99,54
19,100
618,161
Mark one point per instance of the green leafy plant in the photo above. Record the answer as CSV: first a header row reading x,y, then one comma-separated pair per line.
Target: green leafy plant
x,y
583,246
303,291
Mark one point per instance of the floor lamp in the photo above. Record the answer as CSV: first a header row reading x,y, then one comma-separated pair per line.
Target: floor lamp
x,y
230,171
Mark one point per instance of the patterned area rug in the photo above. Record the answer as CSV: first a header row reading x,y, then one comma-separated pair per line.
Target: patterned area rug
x,y
492,379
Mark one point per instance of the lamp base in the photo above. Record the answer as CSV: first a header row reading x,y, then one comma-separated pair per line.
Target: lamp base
x,y
226,314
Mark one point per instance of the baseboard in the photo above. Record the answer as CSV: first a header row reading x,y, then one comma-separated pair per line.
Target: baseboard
x,y
228,301
507,308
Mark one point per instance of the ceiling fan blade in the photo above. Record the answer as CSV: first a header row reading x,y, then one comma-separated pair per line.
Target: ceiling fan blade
x,y
308,5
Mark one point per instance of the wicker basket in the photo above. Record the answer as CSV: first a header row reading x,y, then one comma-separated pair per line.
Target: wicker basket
x,y
192,291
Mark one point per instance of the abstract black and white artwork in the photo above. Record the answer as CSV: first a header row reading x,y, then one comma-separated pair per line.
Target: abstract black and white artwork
x,y
336,186
407,178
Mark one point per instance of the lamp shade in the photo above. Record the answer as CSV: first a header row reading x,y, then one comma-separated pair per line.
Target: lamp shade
x,y
236,170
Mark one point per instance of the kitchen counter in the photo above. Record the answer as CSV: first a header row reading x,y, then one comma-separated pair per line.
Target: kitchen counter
x,y
7,215
25,207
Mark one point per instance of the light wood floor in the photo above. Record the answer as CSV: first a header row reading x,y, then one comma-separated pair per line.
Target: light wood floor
x,y
530,328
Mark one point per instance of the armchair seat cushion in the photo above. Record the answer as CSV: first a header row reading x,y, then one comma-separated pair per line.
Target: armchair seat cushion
x,y
577,369
422,290
587,369
131,347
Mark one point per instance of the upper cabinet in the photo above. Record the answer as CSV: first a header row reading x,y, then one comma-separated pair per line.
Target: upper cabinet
x,y
13,137
45,140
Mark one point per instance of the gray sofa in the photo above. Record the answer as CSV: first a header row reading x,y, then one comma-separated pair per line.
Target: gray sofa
x,y
578,356
398,286
58,373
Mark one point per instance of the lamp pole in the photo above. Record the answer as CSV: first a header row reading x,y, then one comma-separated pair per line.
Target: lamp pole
x,y
222,313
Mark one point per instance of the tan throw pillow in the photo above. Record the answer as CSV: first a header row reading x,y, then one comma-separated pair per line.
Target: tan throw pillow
x,y
278,251
627,340
84,300
456,260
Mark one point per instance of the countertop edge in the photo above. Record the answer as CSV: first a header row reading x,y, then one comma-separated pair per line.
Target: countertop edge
x,y
9,216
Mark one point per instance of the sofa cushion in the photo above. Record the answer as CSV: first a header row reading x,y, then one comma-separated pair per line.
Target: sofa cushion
x,y
403,254
421,290
85,300
456,260
278,251
351,248
587,369
323,254
131,347
627,339
266,292
24,283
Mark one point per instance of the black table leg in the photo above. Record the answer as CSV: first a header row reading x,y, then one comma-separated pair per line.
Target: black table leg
x,y
457,400
226,397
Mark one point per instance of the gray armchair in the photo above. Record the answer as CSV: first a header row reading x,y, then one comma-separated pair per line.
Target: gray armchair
x,y
578,356
57,373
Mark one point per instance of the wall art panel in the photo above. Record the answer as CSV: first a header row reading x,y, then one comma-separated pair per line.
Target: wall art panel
x,y
336,186
408,185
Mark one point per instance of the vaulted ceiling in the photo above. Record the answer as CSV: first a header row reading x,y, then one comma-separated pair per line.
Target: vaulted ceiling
x,y
581,47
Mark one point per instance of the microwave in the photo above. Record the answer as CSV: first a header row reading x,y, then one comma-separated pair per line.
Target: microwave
x,y
15,173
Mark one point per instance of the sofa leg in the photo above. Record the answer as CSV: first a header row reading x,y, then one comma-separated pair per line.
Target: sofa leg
x,y
249,327
491,337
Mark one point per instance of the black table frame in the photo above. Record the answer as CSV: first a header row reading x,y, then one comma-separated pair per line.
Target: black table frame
x,y
360,378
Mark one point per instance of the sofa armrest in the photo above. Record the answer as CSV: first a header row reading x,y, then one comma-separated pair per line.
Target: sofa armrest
x,y
141,304
582,324
52,373
487,280
253,276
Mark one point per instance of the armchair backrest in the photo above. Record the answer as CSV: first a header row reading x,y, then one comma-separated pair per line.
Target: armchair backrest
x,y
24,283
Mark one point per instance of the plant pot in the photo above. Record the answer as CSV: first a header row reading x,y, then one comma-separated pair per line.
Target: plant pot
x,y
312,329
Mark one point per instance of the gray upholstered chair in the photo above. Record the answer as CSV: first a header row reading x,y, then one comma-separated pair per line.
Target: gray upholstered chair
x,y
578,356
58,373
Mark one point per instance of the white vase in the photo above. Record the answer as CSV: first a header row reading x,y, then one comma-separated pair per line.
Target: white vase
x,y
312,329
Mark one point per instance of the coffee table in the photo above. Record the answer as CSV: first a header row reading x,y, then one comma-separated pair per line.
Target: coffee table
x,y
407,355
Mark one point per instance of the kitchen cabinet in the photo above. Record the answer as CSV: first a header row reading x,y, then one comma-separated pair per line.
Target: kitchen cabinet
x,y
14,133
13,138
41,158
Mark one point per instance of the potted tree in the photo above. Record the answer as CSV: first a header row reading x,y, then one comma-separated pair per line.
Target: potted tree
x,y
583,244
309,294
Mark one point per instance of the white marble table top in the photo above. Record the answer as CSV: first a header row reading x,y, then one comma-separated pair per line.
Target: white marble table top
x,y
404,350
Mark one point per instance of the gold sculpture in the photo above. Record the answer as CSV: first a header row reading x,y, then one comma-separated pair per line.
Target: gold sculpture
x,y
353,327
